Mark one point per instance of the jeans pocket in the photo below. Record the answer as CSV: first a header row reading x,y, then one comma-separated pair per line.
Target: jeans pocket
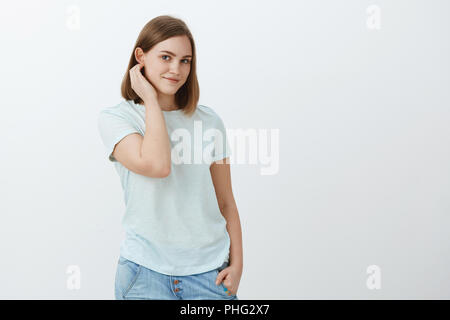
x,y
126,276
122,260
224,290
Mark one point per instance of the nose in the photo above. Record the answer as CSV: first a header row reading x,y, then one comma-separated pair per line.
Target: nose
x,y
175,69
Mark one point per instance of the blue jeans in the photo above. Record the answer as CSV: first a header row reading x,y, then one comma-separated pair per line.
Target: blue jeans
x,y
136,282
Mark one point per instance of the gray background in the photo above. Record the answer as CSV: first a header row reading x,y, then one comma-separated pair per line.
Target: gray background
x,y
364,142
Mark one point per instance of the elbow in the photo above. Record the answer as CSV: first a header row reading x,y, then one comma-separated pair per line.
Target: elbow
x,y
165,172
153,171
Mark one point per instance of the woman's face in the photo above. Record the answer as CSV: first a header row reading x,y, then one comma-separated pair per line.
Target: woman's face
x,y
160,65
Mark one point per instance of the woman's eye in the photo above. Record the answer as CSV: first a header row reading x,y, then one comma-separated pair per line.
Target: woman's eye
x,y
187,60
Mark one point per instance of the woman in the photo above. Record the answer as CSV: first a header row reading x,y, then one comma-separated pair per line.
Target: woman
x,y
183,235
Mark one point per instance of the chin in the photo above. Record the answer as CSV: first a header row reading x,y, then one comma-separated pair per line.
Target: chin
x,y
169,91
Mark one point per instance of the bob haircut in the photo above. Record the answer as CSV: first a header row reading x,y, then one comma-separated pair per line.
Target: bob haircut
x,y
156,30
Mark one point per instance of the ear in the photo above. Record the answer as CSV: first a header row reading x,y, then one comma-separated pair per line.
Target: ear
x,y
139,55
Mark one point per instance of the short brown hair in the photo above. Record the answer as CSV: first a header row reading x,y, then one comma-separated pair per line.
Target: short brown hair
x,y
156,30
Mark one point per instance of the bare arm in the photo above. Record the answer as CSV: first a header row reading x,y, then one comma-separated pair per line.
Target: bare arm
x,y
155,148
221,176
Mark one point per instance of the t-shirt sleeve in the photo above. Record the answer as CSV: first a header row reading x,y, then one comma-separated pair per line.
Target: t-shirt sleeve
x,y
222,148
113,128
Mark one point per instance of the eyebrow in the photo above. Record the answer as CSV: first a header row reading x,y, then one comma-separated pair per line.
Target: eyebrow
x,y
175,54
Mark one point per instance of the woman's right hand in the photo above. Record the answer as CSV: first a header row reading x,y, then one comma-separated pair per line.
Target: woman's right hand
x,y
141,85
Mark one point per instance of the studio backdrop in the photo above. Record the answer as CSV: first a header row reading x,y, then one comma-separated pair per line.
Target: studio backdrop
x,y
337,113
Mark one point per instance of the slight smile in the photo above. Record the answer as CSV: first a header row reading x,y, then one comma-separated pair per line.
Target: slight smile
x,y
172,80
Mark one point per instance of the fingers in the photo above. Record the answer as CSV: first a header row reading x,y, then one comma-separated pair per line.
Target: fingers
x,y
133,77
135,73
226,283
220,277
136,68
218,281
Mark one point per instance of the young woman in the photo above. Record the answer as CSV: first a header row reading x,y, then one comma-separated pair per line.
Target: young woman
x,y
183,234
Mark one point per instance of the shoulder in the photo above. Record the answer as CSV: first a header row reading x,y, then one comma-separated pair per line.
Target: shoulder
x,y
208,111
119,110
214,119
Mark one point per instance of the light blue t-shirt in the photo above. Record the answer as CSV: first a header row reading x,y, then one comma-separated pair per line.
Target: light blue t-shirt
x,y
173,225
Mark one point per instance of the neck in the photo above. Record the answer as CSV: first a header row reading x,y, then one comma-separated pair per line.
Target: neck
x,y
167,102
171,108
165,108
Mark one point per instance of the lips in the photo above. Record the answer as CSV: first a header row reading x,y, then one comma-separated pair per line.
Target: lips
x,y
172,79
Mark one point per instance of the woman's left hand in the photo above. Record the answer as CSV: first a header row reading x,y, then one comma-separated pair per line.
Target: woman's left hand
x,y
231,276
